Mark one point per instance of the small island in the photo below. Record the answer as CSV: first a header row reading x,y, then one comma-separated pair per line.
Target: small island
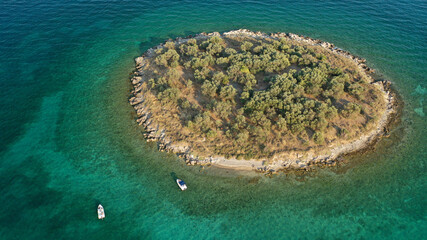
x,y
250,100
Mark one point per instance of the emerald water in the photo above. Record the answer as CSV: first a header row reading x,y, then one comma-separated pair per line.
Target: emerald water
x,y
69,140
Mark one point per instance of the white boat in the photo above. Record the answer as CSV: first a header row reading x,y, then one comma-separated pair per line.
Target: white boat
x,y
101,213
181,184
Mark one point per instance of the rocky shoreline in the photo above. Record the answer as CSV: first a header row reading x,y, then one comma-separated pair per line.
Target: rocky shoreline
x,y
297,160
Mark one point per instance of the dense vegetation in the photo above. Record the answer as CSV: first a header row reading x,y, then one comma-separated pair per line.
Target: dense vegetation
x,y
250,98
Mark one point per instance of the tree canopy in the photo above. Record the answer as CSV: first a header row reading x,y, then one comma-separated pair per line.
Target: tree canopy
x,y
251,97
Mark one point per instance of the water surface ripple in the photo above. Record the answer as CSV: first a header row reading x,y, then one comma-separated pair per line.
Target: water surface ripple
x,y
69,140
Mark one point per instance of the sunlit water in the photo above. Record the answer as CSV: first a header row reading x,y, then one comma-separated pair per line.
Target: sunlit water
x,y
68,138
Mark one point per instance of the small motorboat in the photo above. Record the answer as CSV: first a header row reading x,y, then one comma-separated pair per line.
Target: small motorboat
x,y
181,184
101,213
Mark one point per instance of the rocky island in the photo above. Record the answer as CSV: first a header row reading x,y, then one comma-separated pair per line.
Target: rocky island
x,y
259,101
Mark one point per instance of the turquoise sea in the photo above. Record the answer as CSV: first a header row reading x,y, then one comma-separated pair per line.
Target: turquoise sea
x,y
68,139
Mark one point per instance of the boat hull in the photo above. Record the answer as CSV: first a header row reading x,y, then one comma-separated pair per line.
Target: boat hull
x,y
101,213
181,184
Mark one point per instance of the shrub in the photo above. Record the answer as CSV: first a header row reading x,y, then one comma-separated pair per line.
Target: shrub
x,y
169,58
242,138
189,84
201,122
227,92
214,48
257,49
246,46
350,109
151,83
220,78
184,104
211,133
281,124
189,49
172,75
318,138
170,45
216,40
209,89
223,109
222,61
230,51
356,90
201,75
170,95
241,121
245,95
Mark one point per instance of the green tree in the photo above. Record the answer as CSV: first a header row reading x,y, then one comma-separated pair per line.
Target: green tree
x,y
281,124
222,61
230,51
209,89
189,49
220,78
168,59
242,137
357,90
223,109
241,121
170,45
211,134
172,75
227,92
246,46
350,109
170,95
318,138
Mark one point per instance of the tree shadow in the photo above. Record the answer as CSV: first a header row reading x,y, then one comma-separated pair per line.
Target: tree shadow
x,y
173,175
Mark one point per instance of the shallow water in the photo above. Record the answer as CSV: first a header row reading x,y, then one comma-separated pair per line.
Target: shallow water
x,y
69,140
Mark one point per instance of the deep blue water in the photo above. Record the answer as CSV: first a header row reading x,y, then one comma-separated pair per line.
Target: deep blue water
x,y
68,139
